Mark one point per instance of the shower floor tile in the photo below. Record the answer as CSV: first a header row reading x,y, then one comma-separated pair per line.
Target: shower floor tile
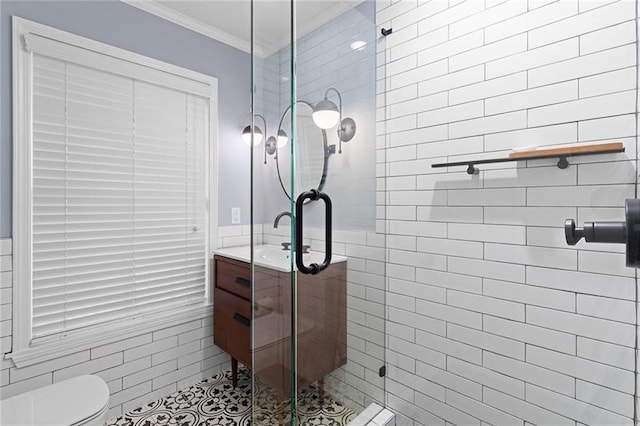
x,y
214,401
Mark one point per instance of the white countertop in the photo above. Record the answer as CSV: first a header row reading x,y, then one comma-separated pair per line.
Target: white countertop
x,y
274,257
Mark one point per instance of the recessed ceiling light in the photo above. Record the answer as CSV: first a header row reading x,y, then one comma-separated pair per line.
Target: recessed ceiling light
x,y
358,44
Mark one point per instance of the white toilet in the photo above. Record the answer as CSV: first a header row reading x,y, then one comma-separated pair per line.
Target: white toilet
x,y
81,400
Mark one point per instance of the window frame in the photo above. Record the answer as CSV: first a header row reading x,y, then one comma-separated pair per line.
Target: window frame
x,y
25,351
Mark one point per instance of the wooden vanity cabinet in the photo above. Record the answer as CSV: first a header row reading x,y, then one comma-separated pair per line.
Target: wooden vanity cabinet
x,y
322,305
321,322
232,310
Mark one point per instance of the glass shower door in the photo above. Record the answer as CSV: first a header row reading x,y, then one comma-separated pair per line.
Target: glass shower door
x,y
272,221
318,266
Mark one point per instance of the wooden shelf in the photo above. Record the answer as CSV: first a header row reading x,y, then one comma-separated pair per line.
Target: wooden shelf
x,y
559,151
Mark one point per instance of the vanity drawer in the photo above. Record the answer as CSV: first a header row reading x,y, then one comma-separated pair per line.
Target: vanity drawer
x,y
232,325
233,276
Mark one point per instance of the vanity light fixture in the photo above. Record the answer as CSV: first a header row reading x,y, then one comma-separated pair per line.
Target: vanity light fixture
x,y
275,143
257,134
327,114
282,138
271,144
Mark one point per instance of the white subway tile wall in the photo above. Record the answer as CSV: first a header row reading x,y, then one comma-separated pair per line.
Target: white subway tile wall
x,y
137,370
238,235
491,317
6,305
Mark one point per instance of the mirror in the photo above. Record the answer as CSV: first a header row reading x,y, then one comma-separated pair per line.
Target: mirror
x,y
310,159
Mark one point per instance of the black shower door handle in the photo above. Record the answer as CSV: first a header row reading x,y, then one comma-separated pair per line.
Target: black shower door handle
x,y
314,268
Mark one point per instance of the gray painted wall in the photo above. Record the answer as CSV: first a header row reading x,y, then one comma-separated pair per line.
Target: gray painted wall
x,y
126,27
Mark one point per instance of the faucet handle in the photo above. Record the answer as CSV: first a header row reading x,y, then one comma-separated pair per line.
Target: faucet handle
x,y
285,245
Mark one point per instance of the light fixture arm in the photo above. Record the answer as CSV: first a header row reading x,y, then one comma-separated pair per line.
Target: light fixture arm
x,y
326,96
264,135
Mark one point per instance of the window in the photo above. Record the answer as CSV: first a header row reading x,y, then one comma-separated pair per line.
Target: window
x,y
111,188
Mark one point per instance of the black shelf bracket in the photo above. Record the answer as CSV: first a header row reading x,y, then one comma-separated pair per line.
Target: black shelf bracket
x,y
562,163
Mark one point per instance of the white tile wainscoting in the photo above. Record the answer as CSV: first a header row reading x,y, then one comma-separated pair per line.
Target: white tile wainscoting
x,y
492,318
142,369
6,306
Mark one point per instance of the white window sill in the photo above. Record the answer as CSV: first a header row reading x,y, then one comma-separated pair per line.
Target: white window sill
x,y
80,340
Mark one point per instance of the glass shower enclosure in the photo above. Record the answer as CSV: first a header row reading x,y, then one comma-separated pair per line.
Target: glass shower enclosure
x,y
317,323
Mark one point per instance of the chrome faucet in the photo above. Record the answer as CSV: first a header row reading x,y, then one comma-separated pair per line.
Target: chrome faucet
x,y
284,213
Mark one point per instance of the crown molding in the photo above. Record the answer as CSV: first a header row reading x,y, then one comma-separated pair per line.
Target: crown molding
x,y
188,22
260,50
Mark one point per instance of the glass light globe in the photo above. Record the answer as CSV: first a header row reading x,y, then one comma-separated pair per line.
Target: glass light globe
x,y
282,138
257,136
326,114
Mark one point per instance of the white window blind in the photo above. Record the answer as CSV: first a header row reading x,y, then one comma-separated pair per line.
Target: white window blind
x,y
119,191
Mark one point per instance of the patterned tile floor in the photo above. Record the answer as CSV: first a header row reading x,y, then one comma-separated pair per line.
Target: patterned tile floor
x,y
214,401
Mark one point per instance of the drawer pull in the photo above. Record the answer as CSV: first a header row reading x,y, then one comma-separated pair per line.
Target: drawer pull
x,y
243,282
242,319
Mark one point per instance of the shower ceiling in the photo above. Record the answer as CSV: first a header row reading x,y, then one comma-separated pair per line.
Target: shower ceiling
x,y
228,20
